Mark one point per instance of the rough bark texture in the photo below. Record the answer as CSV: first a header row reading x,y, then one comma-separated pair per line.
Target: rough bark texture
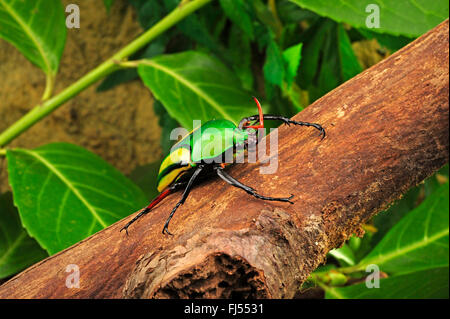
x,y
387,130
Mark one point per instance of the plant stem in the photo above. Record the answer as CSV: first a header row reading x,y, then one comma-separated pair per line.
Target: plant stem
x,y
107,67
50,82
352,269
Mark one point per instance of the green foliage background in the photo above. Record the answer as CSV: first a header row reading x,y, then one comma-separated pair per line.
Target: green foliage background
x,y
207,66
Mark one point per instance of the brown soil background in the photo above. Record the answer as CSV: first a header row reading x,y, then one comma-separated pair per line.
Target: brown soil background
x,y
119,125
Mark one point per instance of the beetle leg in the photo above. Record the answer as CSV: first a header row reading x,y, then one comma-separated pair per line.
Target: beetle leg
x,y
183,198
285,120
233,182
152,204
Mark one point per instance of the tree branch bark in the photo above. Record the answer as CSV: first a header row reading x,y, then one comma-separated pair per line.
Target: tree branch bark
x,y
387,130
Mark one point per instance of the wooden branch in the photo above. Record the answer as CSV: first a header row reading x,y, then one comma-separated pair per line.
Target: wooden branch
x,y
387,130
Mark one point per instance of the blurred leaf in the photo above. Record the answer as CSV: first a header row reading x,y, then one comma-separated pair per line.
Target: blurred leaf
x,y
327,58
348,61
400,17
145,177
344,255
298,98
266,17
274,65
108,4
384,221
419,241
335,278
444,170
240,54
434,182
37,29
391,42
237,12
289,12
150,13
430,283
17,249
195,86
167,123
354,243
116,78
155,48
194,27
65,193
292,58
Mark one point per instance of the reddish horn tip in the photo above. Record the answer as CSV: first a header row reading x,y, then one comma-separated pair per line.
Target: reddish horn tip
x,y
261,116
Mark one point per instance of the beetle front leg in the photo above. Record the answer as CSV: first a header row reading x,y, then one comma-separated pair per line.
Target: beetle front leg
x,y
284,119
234,182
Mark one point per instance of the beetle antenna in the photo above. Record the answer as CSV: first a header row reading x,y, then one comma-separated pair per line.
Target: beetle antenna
x,y
261,116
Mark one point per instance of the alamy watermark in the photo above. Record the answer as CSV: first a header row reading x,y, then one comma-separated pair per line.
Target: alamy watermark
x,y
373,19
73,18
373,279
73,279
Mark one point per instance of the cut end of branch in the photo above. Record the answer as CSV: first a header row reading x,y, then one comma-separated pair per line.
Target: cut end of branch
x,y
218,276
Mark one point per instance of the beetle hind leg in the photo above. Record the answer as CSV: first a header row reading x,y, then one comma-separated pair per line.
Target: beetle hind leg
x,y
234,182
186,192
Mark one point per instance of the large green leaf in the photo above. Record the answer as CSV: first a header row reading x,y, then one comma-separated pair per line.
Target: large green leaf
x,y
419,241
17,249
65,193
195,86
35,28
399,17
430,283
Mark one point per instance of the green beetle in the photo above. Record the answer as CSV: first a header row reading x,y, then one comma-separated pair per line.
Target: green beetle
x,y
188,161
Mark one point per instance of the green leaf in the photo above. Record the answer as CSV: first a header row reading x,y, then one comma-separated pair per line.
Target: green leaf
x,y
35,28
108,4
237,12
195,28
65,193
155,48
263,13
240,54
195,86
348,61
430,283
292,58
419,241
167,124
344,255
292,13
391,42
327,58
145,177
400,17
274,69
149,13
17,249
384,221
